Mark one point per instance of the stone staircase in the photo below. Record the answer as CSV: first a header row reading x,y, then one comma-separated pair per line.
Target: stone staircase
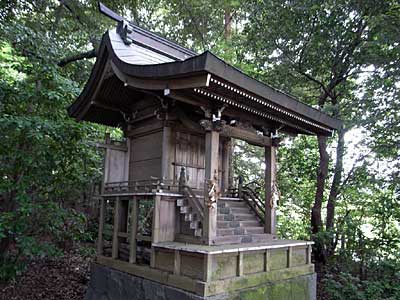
x,y
236,222
190,216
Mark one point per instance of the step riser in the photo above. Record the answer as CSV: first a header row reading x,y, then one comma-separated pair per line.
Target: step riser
x,y
232,204
235,231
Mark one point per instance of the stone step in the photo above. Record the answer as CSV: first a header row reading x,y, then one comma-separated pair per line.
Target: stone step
x,y
250,223
231,203
198,232
194,225
228,224
235,224
254,230
236,217
242,239
228,239
189,217
180,202
234,210
230,231
258,238
184,209
240,210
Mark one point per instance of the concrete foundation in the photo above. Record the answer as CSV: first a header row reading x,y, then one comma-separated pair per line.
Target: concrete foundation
x,y
110,284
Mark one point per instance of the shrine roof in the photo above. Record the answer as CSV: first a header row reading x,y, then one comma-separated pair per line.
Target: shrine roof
x,y
145,61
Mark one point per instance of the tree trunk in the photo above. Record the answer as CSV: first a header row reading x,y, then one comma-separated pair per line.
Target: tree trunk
x,y
316,220
334,192
227,22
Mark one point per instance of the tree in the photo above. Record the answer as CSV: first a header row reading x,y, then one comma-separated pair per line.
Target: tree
x,y
326,48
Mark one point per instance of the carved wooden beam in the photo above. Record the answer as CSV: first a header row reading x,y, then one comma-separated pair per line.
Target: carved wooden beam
x,y
246,135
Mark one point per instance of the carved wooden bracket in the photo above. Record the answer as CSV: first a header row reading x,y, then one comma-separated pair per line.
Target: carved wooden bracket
x,y
209,125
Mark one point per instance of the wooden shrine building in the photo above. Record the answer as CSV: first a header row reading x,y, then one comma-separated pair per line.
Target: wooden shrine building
x,y
172,223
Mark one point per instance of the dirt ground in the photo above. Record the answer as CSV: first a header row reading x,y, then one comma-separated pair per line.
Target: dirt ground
x,y
59,279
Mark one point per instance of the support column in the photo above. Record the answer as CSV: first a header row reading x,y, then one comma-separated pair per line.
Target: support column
x,y
101,227
134,227
120,224
211,186
226,165
166,159
270,177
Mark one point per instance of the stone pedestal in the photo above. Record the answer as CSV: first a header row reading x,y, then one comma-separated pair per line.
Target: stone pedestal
x,y
109,284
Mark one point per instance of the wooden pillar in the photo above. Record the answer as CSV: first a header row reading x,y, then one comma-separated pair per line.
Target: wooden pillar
x,y
134,228
230,147
101,227
166,157
155,236
211,176
120,224
177,262
226,164
115,244
270,176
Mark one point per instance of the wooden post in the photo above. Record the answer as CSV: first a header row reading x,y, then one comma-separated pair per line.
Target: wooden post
x,y
239,271
182,180
207,267
226,163
134,227
211,175
115,229
155,237
177,262
270,209
166,162
230,171
120,224
289,257
267,260
101,228
240,186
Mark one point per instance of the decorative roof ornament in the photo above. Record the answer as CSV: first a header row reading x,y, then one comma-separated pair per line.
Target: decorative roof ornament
x,y
124,30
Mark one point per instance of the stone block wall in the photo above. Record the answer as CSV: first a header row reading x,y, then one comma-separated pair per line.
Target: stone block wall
x,y
109,284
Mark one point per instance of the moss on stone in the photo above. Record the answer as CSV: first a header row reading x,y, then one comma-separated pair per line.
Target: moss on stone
x,y
255,294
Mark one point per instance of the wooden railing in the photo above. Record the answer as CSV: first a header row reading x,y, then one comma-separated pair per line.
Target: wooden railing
x,y
140,186
196,203
120,228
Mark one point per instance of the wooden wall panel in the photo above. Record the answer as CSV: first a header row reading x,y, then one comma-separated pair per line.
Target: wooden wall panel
x,y
145,160
146,169
116,165
190,153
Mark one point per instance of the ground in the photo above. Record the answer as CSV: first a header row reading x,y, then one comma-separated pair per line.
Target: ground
x,y
59,279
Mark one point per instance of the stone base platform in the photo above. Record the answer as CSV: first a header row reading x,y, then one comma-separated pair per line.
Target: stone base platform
x,y
279,269
110,284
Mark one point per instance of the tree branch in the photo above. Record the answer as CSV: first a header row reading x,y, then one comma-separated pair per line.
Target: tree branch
x,y
88,54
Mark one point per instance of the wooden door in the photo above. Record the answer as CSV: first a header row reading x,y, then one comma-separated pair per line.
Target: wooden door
x,y
189,153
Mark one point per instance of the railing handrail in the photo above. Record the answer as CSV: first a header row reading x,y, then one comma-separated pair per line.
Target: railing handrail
x,y
147,185
197,205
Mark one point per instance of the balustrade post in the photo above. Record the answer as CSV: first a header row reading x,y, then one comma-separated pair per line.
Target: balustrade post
x,y
240,186
182,180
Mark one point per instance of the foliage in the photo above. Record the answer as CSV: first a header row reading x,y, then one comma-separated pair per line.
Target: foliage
x,y
341,56
44,157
